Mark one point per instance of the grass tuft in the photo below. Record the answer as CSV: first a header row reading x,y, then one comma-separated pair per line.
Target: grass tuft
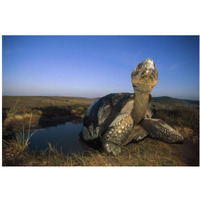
x,y
17,122
18,146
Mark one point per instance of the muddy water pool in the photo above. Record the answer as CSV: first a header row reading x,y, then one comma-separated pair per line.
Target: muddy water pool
x,y
64,137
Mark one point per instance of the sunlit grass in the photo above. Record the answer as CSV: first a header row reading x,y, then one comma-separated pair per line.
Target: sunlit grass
x,y
18,146
44,109
148,152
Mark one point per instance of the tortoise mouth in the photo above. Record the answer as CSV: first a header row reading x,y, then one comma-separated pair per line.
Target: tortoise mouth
x,y
145,73
151,74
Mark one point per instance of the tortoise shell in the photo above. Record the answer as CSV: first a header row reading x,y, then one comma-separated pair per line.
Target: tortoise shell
x,y
102,113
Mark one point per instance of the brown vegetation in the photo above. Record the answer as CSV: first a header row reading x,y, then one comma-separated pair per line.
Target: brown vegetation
x,y
17,110
20,111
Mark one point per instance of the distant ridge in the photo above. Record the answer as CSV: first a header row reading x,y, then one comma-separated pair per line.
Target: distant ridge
x,y
174,101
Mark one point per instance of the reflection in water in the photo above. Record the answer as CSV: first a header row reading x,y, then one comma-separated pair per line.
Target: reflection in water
x,y
65,136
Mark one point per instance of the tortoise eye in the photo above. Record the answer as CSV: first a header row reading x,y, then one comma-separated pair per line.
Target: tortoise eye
x,y
140,65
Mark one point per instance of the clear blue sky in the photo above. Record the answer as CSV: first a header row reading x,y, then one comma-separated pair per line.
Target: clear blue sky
x,y
93,66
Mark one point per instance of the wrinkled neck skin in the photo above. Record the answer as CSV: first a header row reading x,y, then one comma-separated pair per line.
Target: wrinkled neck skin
x,y
140,104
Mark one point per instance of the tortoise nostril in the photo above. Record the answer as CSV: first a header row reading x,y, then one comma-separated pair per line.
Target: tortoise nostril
x,y
149,64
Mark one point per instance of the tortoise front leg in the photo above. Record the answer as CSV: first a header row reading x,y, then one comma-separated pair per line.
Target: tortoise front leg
x,y
117,133
160,130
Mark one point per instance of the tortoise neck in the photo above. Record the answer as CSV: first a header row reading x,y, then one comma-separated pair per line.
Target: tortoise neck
x,y
140,105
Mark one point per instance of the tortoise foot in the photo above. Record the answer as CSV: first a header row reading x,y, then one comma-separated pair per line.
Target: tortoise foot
x,y
112,148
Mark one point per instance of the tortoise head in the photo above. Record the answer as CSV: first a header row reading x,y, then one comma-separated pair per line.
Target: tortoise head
x,y
144,76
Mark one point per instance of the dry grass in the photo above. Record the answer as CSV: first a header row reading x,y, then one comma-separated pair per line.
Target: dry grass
x,y
149,152
16,149
184,115
44,109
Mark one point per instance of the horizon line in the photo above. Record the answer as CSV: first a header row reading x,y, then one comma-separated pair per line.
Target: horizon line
x,y
86,97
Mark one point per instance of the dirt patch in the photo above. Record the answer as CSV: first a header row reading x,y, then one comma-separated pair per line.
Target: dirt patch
x,y
188,152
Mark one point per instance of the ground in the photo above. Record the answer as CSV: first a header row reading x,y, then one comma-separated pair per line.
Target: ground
x,y
21,114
